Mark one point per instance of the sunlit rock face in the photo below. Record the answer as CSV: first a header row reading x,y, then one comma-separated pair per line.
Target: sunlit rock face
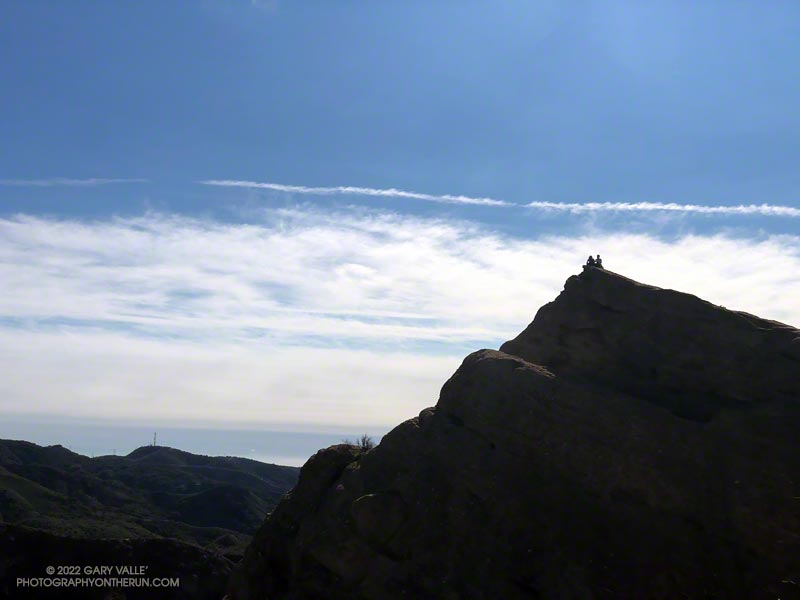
x,y
632,442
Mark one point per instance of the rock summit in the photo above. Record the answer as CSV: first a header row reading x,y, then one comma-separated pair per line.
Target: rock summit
x,y
631,442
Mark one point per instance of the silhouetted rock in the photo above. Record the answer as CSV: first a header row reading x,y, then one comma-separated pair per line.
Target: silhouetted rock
x,y
632,442
667,346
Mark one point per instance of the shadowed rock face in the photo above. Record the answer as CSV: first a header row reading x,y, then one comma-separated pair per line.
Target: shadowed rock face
x,y
574,464
670,347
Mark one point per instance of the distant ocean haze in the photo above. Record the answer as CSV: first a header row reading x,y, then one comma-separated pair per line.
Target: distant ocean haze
x,y
292,448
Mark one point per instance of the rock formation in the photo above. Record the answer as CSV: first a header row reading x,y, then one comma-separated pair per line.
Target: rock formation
x,y
632,442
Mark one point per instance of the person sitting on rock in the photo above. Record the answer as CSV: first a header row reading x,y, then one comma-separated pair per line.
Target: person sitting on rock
x,y
598,262
590,262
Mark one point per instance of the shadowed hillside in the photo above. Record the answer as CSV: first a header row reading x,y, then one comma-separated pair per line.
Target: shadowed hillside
x,y
26,553
167,506
153,492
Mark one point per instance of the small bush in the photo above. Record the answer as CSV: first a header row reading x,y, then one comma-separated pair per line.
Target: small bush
x,y
363,443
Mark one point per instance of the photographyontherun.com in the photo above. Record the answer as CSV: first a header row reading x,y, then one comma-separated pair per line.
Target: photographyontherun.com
x,y
99,576
97,582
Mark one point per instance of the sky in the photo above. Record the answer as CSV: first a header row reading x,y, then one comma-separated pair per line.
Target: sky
x,y
303,215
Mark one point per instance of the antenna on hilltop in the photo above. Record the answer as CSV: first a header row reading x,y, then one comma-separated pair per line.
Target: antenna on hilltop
x,y
154,438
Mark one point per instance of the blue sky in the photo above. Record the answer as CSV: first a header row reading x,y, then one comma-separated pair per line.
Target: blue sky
x,y
202,202
613,101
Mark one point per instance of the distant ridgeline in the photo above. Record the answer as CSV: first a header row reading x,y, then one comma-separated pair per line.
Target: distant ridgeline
x,y
208,507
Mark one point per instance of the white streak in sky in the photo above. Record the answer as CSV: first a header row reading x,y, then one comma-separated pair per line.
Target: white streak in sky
x,y
58,181
769,210
360,191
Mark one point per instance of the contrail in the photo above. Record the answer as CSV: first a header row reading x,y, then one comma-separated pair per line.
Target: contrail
x,y
66,181
361,191
770,210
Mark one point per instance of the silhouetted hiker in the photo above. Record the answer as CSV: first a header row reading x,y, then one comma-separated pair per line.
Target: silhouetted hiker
x,y
590,262
599,262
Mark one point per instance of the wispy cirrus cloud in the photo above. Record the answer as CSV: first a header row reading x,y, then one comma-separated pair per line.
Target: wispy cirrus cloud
x,y
66,181
356,191
351,316
769,210
354,275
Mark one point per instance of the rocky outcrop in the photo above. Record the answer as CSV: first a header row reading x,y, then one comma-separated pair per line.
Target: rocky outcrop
x,y
663,345
632,442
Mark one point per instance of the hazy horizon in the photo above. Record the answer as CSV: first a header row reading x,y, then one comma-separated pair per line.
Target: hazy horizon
x,y
92,439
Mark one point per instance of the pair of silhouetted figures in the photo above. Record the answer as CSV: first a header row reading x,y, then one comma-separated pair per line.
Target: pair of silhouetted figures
x,y
595,262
